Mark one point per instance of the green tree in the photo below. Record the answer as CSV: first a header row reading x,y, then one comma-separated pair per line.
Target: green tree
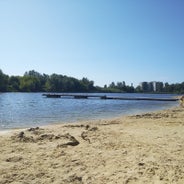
x,y
112,85
14,83
29,84
3,82
88,85
39,78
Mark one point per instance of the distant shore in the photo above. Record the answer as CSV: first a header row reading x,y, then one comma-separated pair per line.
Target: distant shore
x,y
145,148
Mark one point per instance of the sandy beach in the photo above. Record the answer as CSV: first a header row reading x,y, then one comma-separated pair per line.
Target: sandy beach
x,y
146,148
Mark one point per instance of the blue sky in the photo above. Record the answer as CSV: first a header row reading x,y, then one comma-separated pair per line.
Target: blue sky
x,y
103,40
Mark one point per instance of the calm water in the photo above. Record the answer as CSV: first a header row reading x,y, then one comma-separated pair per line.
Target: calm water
x,y
18,110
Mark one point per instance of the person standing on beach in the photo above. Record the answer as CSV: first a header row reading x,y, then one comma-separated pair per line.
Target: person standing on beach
x,y
182,101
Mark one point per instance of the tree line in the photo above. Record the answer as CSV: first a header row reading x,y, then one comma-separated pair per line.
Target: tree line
x,y
33,81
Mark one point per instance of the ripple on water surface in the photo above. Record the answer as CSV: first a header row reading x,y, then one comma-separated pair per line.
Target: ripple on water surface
x,y
32,109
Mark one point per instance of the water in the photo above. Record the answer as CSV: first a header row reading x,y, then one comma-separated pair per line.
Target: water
x,y
20,110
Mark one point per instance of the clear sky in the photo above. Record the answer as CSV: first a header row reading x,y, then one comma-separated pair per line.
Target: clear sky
x,y
103,40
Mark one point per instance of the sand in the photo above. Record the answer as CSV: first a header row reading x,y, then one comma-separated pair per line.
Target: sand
x,y
147,148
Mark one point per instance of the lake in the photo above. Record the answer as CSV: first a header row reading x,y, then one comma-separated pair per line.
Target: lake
x,y
22,110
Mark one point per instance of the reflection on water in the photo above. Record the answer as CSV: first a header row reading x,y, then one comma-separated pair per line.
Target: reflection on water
x,y
32,109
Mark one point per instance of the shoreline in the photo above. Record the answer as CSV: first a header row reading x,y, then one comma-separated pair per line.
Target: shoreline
x,y
52,111
14,129
141,148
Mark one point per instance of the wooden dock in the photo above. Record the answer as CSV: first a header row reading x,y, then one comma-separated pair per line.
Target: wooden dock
x,y
104,97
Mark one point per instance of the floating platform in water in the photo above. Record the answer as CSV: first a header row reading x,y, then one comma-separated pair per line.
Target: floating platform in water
x,y
104,97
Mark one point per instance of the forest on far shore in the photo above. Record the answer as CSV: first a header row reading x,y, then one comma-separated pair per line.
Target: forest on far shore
x,y
33,81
